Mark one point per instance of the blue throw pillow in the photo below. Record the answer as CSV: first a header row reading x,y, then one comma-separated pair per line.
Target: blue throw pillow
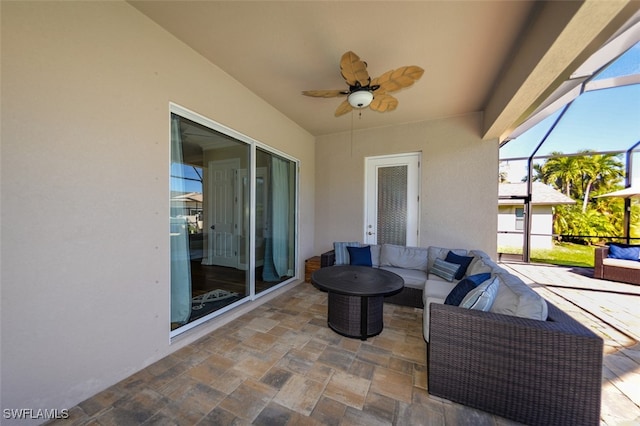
x,y
463,261
624,253
464,287
479,278
459,292
342,255
360,255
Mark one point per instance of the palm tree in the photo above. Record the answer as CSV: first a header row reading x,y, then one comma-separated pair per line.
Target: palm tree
x,y
560,172
578,177
598,169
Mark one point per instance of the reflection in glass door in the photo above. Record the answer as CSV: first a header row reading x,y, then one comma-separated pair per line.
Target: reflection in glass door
x,y
207,222
275,220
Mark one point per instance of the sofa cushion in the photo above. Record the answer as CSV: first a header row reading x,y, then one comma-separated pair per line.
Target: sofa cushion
x,y
375,255
342,254
403,257
518,299
463,261
444,269
412,277
482,297
359,255
435,291
624,252
441,253
479,266
465,286
621,263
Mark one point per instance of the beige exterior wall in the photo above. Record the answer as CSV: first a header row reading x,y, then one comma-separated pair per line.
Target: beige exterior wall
x,y
86,88
459,182
541,224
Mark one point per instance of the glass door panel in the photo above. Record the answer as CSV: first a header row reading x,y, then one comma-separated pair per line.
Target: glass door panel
x,y
275,182
208,226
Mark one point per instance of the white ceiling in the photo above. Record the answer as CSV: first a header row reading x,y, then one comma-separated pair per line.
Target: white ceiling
x,y
279,49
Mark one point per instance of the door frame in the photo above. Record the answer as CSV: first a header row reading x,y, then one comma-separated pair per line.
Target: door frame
x,y
372,164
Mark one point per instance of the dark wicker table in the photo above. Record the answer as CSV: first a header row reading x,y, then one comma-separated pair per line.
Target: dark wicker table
x,y
356,297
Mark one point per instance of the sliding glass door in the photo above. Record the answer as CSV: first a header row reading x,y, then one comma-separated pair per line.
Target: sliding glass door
x,y
223,189
275,219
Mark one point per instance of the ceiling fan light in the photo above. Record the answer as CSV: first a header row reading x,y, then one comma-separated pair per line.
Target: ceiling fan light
x,y
360,99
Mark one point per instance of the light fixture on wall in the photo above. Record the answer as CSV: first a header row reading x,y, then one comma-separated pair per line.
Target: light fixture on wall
x,y
360,99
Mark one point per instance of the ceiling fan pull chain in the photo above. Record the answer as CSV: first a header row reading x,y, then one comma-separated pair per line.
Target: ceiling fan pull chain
x,y
351,140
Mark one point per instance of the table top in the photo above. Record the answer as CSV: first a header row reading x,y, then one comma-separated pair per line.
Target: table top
x,y
357,280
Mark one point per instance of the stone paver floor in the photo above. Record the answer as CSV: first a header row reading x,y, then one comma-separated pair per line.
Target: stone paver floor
x,y
279,364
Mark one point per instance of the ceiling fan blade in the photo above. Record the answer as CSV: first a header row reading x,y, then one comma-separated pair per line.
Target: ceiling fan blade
x,y
383,103
325,93
354,70
343,108
397,79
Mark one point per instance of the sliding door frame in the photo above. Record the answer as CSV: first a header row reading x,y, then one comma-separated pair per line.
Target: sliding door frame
x,y
253,145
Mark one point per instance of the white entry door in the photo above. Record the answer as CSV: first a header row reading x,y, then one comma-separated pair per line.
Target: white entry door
x,y
223,232
392,199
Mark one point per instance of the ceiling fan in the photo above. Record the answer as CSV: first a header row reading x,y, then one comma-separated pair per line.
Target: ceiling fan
x,y
364,92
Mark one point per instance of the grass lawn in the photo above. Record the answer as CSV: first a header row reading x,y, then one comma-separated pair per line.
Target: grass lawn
x,y
566,254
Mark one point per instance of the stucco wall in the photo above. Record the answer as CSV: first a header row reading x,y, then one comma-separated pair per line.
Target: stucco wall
x,y
541,224
86,88
459,183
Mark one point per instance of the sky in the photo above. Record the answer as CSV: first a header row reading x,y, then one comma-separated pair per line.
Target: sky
x,y
192,175
600,120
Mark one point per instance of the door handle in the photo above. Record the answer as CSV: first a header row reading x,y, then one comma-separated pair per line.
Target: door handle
x,y
369,233
213,227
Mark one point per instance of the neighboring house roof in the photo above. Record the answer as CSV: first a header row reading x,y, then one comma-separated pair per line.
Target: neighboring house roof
x,y
541,194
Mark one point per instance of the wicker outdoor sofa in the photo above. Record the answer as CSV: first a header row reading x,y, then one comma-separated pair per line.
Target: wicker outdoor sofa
x,y
524,360
605,268
535,372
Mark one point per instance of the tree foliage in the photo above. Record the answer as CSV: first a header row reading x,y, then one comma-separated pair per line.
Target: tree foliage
x,y
582,177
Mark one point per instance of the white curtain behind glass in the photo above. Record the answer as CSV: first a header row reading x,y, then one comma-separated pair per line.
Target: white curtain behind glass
x,y
180,263
280,215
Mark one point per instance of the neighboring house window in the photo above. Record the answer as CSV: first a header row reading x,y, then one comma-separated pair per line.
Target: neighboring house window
x,y
519,219
223,188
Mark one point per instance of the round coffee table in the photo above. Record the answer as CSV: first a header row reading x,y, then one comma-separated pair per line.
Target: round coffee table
x,y
356,297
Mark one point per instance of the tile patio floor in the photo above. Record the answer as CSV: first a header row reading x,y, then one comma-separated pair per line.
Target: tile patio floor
x,y
280,364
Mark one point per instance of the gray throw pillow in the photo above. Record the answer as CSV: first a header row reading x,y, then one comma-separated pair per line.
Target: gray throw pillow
x,y
445,269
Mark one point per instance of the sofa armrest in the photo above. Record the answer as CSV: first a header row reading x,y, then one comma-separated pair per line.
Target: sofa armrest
x,y
535,372
600,254
327,258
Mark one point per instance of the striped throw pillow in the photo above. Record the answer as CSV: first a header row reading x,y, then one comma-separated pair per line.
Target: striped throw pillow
x,y
444,269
